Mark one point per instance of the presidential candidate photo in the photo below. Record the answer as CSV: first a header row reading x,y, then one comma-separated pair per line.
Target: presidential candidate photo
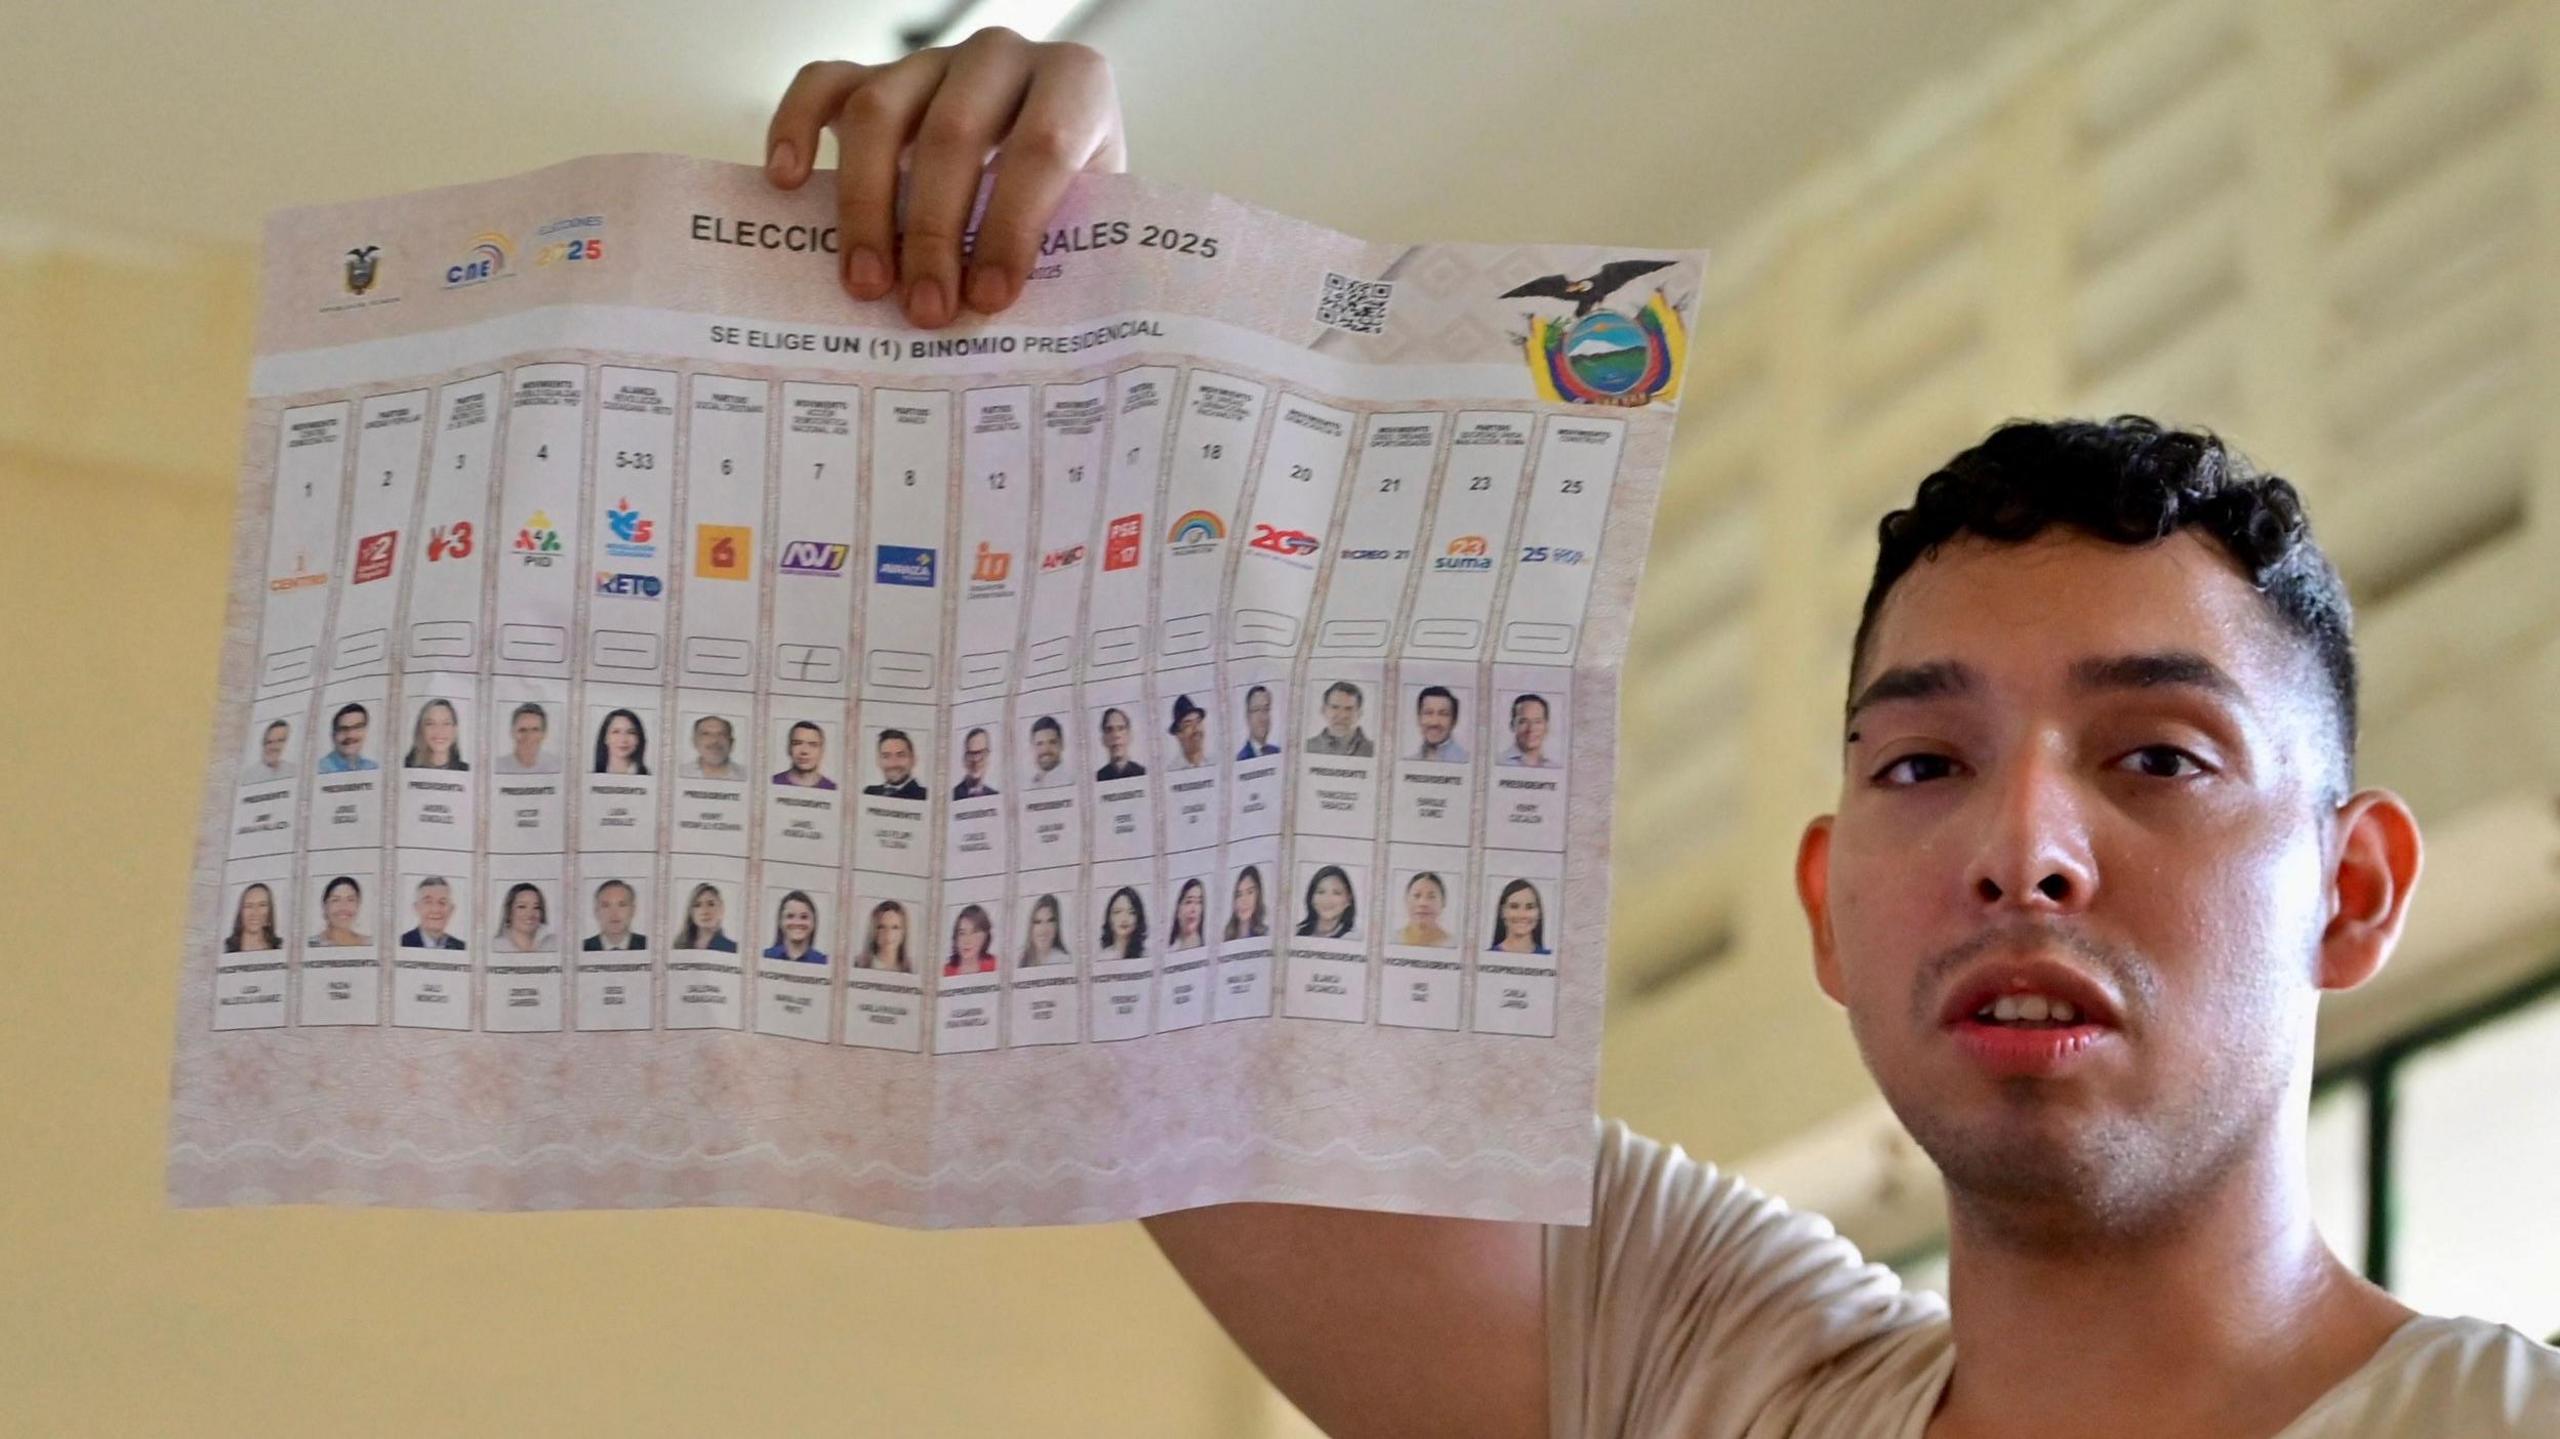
x,y
896,754
705,927
432,902
715,742
529,742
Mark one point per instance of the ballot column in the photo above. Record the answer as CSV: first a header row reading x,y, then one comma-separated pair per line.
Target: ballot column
x,y
1428,772
262,893
523,908
1524,925
442,649
809,681
996,493
1043,990
897,717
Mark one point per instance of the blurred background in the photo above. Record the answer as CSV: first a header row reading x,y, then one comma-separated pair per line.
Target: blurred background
x,y
2329,228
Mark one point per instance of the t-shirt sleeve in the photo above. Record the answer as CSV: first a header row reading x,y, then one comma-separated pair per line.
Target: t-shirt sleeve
x,y
1692,1302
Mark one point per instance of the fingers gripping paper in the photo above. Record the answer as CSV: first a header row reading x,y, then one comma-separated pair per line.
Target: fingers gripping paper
x,y
689,739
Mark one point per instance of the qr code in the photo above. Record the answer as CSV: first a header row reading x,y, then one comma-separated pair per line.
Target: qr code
x,y
1357,307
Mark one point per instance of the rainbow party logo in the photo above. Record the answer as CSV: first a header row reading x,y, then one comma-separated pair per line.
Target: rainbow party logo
x,y
1197,530
486,261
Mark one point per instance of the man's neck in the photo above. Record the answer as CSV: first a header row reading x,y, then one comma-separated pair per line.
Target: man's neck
x,y
2228,1325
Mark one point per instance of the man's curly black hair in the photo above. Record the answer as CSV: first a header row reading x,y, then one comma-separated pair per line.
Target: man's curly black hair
x,y
2134,482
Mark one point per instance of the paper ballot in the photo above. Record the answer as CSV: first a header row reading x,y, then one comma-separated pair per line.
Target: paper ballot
x,y
689,738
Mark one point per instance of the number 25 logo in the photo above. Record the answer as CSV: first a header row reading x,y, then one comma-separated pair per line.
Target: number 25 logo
x,y
449,543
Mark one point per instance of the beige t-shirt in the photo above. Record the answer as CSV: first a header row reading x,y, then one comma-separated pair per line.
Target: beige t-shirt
x,y
1696,1306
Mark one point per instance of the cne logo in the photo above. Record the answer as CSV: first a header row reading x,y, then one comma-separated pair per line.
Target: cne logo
x,y
628,533
373,556
1121,542
814,557
721,552
538,543
487,260
993,565
449,542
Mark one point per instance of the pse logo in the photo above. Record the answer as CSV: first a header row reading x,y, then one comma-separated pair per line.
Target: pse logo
x,y
1466,552
814,557
449,542
1067,558
628,533
1293,543
903,565
1551,555
1121,542
373,556
538,543
993,566
635,586
487,260
721,552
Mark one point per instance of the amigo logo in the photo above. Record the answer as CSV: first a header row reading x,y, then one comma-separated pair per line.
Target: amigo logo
x,y
1121,542
1278,541
636,586
373,556
487,260
538,543
814,557
628,533
1067,558
1196,531
903,565
1466,552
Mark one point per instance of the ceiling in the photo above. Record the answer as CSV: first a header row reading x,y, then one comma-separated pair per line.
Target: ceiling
x,y
1655,123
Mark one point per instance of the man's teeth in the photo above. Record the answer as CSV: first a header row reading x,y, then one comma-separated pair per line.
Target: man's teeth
x,y
2028,1009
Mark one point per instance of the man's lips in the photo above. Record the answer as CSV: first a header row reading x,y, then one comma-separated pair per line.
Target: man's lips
x,y
1985,984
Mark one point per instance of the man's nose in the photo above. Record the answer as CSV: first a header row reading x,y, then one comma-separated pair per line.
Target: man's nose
x,y
2034,850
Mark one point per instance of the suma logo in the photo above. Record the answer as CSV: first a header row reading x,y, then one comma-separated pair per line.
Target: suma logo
x,y
636,586
1283,542
449,542
1466,552
373,556
903,565
993,565
814,557
1121,542
722,552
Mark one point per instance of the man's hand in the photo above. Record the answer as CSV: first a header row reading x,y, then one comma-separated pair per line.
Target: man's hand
x,y
1035,114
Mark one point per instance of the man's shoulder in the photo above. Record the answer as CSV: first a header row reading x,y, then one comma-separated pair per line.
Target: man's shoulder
x,y
2444,1375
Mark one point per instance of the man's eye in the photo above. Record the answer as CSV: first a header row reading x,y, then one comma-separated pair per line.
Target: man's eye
x,y
2162,761
1914,769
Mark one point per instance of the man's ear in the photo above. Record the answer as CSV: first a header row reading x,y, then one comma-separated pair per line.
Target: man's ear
x,y
2370,882
1813,891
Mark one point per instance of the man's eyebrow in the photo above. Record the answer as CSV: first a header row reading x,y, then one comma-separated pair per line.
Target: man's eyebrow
x,y
1935,679
2180,668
